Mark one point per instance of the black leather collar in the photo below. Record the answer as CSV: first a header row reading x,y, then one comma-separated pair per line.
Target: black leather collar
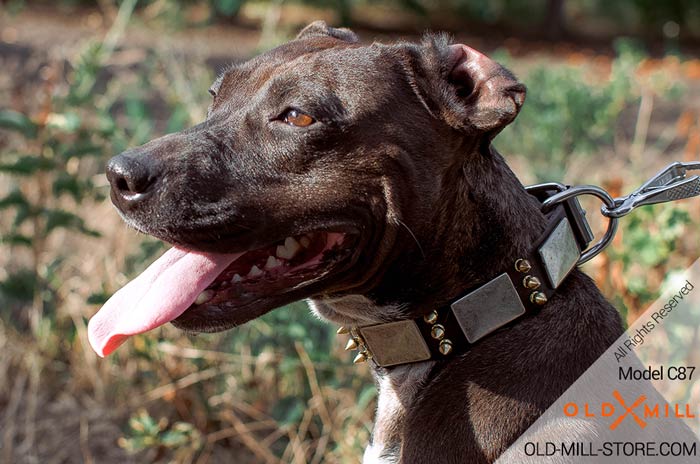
x,y
518,291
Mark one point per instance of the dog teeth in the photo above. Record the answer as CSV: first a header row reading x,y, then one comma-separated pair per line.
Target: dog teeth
x,y
255,271
305,241
236,278
291,244
272,263
289,249
203,297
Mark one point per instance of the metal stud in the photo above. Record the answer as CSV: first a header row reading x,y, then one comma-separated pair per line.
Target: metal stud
x,y
351,345
431,317
437,332
445,347
342,330
538,298
360,358
523,265
531,282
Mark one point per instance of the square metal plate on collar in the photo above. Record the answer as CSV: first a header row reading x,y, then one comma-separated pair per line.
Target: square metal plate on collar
x,y
395,343
488,308
560,253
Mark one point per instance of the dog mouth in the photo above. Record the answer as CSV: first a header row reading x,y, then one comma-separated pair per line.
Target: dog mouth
x,y
285,265
196,289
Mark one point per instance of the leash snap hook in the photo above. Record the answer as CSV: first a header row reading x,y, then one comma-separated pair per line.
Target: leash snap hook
x,y
669,184
608,202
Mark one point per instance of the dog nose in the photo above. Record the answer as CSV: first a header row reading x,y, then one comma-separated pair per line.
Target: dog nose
x,y
130,177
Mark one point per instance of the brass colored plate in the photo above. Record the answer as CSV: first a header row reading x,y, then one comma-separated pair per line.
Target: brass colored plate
x,y
395,343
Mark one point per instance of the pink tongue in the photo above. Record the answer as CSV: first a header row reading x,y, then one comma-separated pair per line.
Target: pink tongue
x,y
160,294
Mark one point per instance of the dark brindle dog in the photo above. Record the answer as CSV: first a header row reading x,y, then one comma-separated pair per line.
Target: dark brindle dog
x,y
361,177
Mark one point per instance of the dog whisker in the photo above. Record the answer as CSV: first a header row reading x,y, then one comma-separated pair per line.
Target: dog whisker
x,y
420,248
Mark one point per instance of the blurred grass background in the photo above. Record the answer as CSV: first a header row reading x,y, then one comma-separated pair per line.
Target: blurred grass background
x,y
613,96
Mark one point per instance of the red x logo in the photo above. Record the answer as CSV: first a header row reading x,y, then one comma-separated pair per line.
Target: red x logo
x,y
628,410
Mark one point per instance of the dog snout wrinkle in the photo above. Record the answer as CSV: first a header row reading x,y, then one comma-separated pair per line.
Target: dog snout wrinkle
x,y
131,179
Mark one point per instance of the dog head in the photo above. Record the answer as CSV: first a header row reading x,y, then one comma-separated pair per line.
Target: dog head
x,y
321,162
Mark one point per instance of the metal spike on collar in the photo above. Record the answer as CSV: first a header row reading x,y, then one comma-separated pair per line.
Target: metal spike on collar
x,y
531,282
431,317
437,332
360,358
523,265
538,298
351,345
342,330
445,347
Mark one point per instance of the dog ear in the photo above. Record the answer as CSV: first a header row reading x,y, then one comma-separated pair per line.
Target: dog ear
x,y
321,29
477,94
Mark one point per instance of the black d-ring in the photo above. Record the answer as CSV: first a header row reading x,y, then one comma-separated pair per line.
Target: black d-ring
x,y
603,196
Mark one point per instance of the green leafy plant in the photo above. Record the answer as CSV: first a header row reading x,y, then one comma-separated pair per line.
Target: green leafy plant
x,y
571,112
145,433
647,252
51,159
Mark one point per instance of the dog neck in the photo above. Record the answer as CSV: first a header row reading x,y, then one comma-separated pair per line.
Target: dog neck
x,y
397,391
485,220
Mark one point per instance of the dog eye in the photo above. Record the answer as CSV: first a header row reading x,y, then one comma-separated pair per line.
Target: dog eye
x,y
212,92
297,118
